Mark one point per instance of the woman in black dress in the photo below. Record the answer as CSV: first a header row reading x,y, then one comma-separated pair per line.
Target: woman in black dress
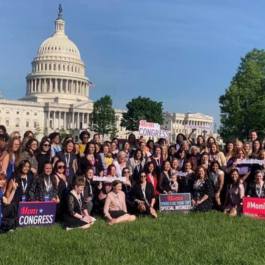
x,y
257,188
68,156
63,186
202,191
143,195
77,215
43,154
164,178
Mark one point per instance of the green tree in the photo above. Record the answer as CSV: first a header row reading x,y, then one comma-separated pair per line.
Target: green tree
x,y
102,119
141,109
62,133
243,104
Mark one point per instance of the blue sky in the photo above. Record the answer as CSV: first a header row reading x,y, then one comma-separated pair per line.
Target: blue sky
x,y
181,52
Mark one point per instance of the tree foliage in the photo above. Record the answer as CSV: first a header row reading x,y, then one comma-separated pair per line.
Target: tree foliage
x,y
103,120
243,104
141,109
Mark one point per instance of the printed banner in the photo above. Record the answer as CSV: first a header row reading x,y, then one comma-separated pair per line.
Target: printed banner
x,y
198,127
250,161
109,179
254,207
150,129
175,202
179,173
36,213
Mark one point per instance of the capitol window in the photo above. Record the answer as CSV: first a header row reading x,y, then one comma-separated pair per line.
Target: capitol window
x,y
7,122
54,67
63,67
27,113
59,67
27,124
17,122
7,112
17,112
50,67
45,66
35,113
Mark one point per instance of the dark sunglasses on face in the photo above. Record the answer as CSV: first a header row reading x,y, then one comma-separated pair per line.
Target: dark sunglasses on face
x,y
126,172
46,145
61,167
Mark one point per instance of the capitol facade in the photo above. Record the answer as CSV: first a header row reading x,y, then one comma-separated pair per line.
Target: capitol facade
x,y
57,91
57,95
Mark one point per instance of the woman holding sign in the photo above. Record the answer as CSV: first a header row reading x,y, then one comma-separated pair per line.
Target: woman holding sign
x,y
202,191
77,215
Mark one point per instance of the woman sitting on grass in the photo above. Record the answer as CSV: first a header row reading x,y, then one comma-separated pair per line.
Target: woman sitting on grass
x,y
115,209
77,215
234,195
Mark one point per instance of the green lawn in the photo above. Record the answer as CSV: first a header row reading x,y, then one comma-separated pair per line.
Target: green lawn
x,y
206,238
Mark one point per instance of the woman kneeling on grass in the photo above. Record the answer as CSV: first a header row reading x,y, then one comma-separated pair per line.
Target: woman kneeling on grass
x,y
234,195
115,208
77,215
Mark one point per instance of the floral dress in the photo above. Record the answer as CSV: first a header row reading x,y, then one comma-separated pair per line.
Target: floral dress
x,y
201,188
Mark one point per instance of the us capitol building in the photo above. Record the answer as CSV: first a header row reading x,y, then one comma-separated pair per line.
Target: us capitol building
x,y
57,94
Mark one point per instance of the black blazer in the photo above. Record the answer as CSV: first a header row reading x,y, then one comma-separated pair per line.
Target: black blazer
x,y
137,192
163,183
84,164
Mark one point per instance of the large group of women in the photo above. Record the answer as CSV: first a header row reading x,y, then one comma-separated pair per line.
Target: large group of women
x,y
63,171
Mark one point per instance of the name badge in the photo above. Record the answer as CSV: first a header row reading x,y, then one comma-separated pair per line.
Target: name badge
x,y
47,198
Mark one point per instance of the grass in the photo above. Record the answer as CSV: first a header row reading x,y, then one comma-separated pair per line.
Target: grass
x,y
206,238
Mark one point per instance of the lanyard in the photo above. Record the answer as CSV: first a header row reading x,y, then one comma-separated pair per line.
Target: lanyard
x,y
157,162
80,203
24,186
259,190
118,201
143,190
48,184
67,160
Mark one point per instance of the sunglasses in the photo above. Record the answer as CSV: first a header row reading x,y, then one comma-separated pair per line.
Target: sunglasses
x,y
61,167
126,172
46,145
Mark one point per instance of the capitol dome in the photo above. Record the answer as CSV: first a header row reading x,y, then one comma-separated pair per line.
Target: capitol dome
x,y
58,72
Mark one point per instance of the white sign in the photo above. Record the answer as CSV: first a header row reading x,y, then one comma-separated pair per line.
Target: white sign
x,y
250,161
109,179
150,129
198,127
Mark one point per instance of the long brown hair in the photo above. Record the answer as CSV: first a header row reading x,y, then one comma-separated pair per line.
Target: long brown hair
x,y
11,152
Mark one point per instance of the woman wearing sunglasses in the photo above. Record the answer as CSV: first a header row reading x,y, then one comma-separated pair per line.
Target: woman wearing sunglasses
x,y
43,154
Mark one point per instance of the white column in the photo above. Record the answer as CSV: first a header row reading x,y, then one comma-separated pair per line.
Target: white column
x,y
64,121
45,85
66,86
77,121
56,85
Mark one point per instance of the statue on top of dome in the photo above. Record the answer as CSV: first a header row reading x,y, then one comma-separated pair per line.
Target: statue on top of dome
x,y
60,12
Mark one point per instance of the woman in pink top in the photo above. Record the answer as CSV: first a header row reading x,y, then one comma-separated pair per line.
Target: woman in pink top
x,y
115,208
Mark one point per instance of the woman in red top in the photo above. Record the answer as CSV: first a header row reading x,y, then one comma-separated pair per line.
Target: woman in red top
x,y
151,176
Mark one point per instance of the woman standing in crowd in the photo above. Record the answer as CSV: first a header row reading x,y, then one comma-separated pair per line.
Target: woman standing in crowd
x,y
29,154
229,150
181,156
205,160
235,194
256,148
84,137
43,154
91,159
67,155
194,157
127,149
151,146
151,176
115,209
217,155
247,149
174,166
114,150
136,165
11,157
164,179
216,175
143,195
23,180
157,159
257,188
27,135
186,182
179,139
77,215
62,184
106,157
55,143
202,191
120,163
133,142
171,153
44,186
127,188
